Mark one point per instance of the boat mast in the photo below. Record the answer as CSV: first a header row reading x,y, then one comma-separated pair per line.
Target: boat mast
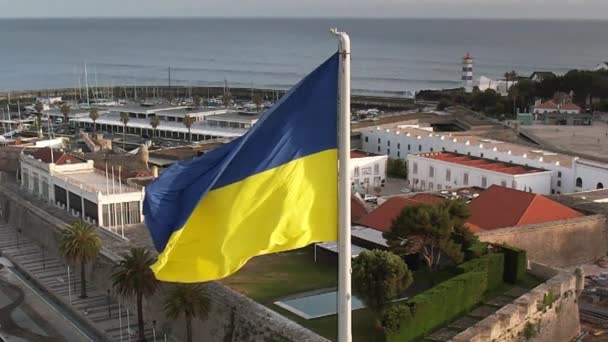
x,y
86,82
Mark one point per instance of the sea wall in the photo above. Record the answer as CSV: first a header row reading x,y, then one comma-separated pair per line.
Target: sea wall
x,y
231,316
560,243
547,313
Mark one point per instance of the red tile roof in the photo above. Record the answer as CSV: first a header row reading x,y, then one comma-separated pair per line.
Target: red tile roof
x,y
360,154
382,217
500,207
549,105
480,163
357,209
58,156
570,106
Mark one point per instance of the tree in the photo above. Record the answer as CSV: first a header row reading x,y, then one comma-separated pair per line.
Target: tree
x,y
379,277
65,110
257,100
188,121
197,101
396,167
227,99
154,122
80,243
133,277
189,300
94,115
38,107
430,230
378,190
443,104
124,118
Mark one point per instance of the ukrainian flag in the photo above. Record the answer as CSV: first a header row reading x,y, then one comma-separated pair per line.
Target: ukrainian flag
x,y
271,190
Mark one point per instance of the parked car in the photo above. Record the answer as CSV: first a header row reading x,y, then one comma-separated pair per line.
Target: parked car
x,y
371,199
405,191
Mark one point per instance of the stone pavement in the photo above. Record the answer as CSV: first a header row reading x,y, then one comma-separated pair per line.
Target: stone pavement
x,y
51,274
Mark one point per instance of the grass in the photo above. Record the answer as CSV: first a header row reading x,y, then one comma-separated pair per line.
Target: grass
x,y
268,278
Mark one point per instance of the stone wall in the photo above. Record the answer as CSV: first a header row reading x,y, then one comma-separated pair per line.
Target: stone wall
x,y
559,244
9,158
533,317
232,316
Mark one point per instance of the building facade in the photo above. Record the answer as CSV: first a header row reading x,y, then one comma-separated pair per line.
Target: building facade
x,y
445,170
76,186
401,140
367,170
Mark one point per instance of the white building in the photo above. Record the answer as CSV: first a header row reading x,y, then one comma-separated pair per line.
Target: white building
x,y
75,185
446,170
209,123
367,170
569,173
550,107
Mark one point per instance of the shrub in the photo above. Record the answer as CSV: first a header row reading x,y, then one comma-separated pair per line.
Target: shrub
x,y
516,263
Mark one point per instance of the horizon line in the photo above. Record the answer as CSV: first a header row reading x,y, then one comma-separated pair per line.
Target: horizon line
x,y
309,18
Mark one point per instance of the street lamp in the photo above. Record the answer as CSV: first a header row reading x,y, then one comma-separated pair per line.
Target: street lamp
x,y
154,330
19,238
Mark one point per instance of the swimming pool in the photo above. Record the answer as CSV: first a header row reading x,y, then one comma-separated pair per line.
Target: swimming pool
x,y
316,306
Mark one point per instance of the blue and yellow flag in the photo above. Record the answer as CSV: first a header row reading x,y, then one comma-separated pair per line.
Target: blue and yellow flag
x,y
272,189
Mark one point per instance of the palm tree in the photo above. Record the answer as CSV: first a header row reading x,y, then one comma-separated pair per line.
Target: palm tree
x,y
197,101
189,300
227,98
188,121
39,107
80,243
65,110
257,100
154,122
94,115
124,117
133,277
507,78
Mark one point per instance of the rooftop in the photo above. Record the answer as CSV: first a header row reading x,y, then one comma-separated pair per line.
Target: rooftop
x,y
382,217
56,156
239,117
361,154
500,207
480,163
185,152
530,152
97,181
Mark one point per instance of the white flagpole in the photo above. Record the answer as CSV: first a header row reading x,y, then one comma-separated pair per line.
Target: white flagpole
x,y
344,244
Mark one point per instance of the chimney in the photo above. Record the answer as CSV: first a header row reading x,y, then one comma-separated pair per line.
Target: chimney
x,y
154,172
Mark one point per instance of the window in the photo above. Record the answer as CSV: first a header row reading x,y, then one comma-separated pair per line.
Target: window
x,y
552,191
468,153
378,140
430,185
599,186
388,151
481,155
579,182
559,174
503,183
398,146
388,143
398,154
415,168
422,184
484,182
513,185
431,149
443,149
448,175
438,186
559,183
419,148
376,169
465,179
409,147
378,148
356,173
366,139
431,171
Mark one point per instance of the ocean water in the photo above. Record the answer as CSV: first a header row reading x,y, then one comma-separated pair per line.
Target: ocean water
x,y
389,55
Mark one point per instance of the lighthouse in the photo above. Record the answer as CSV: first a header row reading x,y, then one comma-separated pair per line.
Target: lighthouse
x,y
467,72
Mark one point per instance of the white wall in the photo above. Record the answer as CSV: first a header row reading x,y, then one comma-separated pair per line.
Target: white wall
x,y
591,174
539,182
562,180
369,171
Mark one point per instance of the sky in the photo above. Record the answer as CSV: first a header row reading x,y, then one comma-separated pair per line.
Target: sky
x,y
529,9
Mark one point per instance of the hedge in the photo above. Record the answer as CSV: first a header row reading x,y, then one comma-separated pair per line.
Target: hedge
x,y
447,301
516,263
439,305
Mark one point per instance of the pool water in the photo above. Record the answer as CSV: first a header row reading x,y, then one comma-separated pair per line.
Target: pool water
x,y
316,306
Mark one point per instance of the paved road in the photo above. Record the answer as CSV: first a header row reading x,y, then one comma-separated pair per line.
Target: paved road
x,y
26,315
